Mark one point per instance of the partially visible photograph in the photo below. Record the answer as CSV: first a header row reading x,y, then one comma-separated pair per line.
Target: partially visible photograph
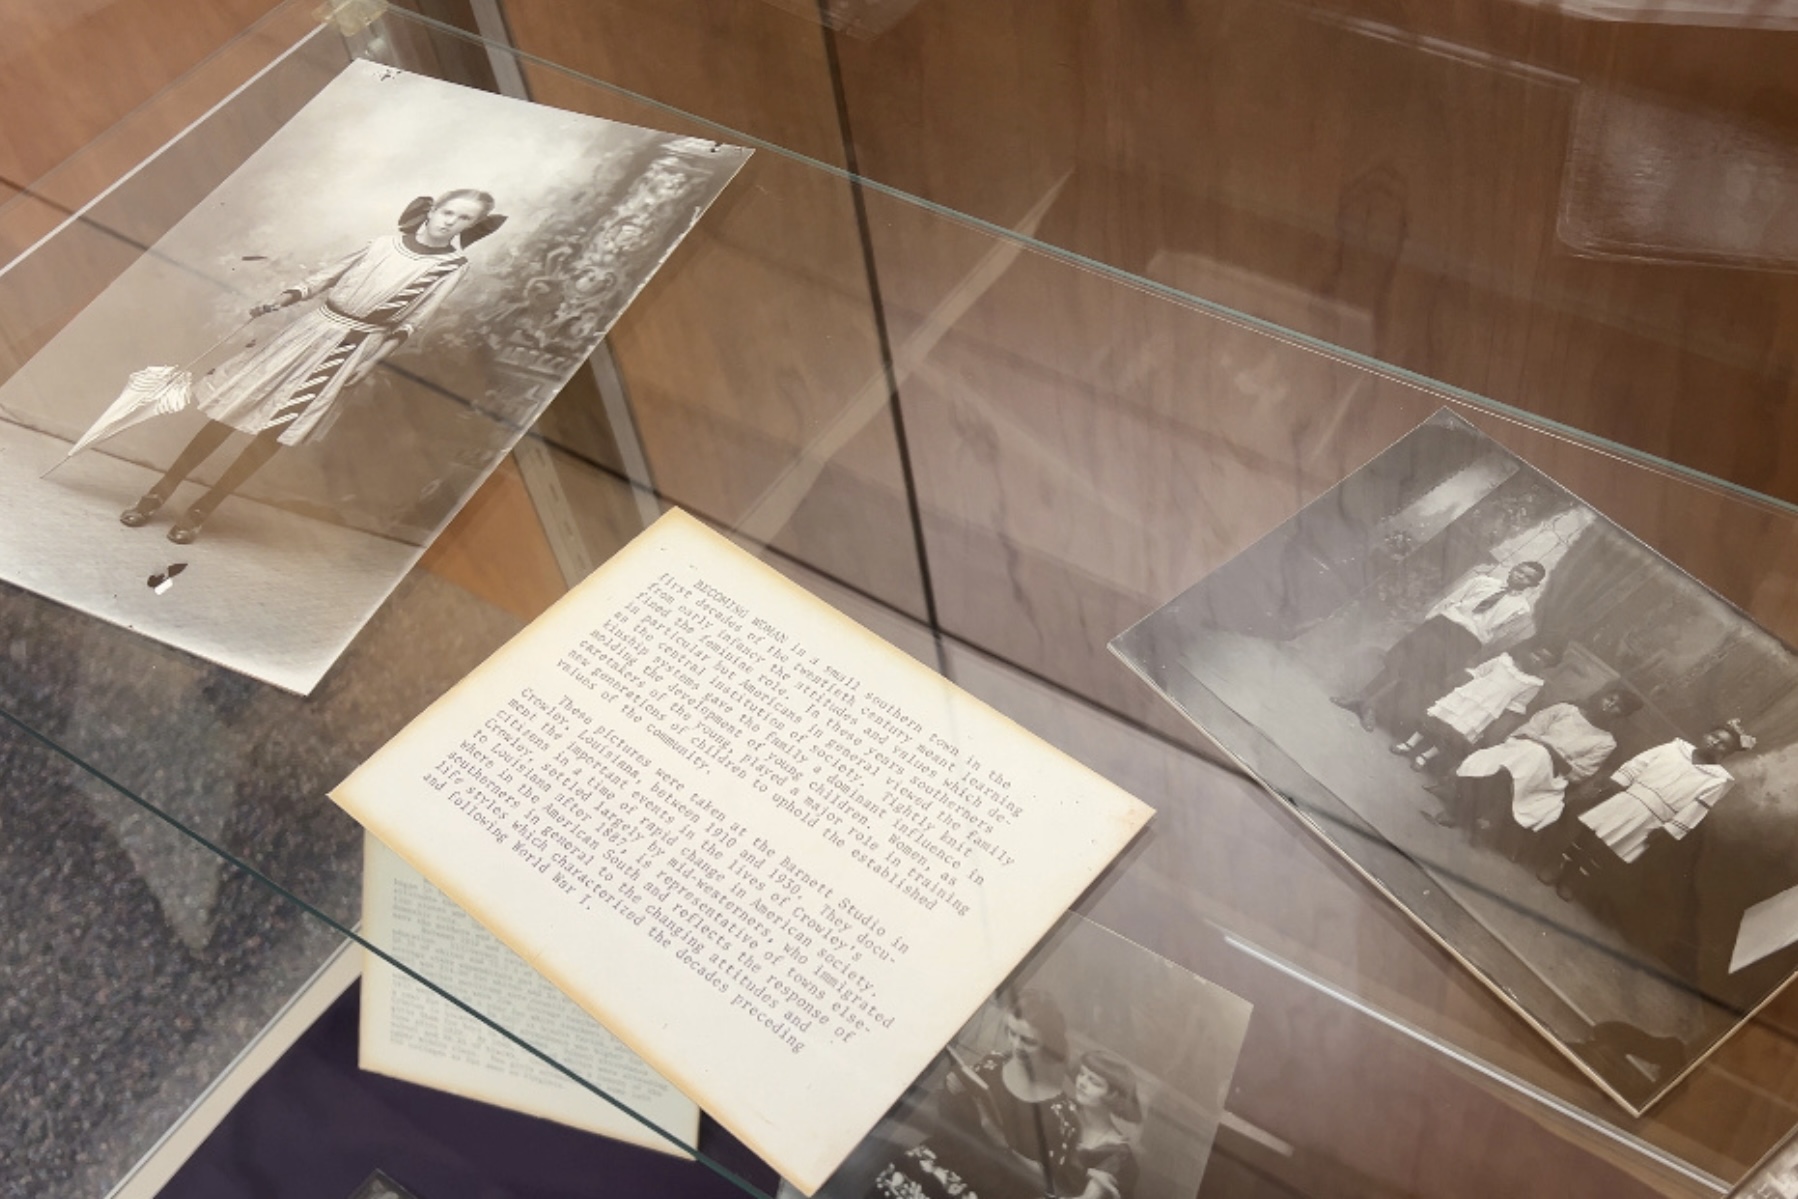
x,y
242,445
1557,751
380,1185
1098,1071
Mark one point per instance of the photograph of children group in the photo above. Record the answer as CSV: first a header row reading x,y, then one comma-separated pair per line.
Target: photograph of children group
x,y
1574,740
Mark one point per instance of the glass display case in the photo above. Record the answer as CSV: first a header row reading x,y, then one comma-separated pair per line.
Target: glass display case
x,y
1020,320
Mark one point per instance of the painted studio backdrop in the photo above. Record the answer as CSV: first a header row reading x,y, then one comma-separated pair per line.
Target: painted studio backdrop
x,y
369,313
1561,754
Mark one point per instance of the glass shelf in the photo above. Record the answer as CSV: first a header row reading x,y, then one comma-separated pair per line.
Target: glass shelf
x,y
996,349
1463,218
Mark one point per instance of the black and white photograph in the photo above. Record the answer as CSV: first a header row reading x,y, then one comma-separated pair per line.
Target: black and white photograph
x,y
1555,750
242,445
1097,1071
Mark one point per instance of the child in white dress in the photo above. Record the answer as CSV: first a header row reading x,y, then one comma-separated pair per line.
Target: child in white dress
x,y
1666,790
1502,683
286,391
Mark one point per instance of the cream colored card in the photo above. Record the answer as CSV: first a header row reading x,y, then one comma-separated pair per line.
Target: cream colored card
x,y
777,857
1767,927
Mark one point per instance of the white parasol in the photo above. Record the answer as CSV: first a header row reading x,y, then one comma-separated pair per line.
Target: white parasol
x,y
150,392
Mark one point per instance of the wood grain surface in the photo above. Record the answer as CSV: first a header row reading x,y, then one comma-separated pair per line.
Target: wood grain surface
x,y
1382,176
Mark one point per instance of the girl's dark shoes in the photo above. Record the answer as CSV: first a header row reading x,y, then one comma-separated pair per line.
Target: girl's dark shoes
x,y
139,514
187,527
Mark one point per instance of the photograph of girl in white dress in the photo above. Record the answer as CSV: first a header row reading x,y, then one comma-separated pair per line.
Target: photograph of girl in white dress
x,y
286,391
245,441
1099,1071
1556,749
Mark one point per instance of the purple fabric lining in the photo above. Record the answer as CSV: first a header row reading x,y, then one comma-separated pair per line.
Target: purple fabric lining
x,y
315,1126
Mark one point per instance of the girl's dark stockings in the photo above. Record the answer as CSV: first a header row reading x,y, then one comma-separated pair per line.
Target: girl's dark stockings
x,y
210,437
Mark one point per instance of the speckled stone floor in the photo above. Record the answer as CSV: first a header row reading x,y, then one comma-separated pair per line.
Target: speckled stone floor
x,y
136,963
